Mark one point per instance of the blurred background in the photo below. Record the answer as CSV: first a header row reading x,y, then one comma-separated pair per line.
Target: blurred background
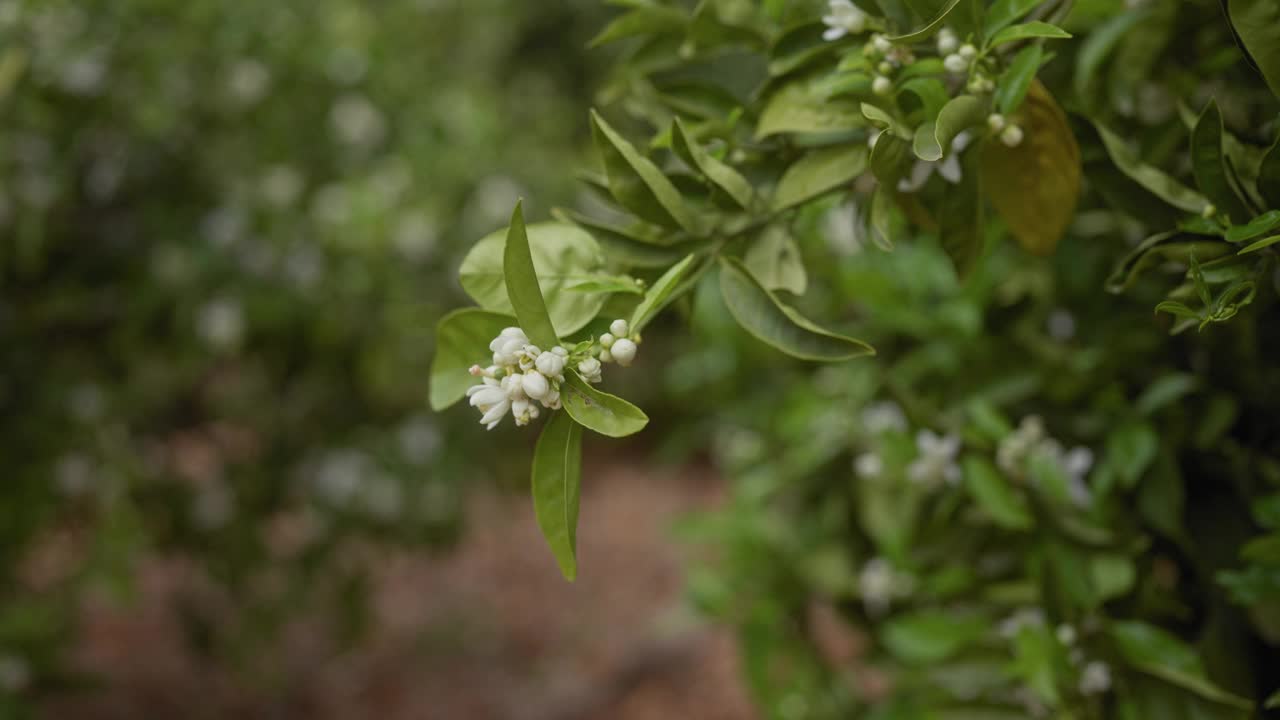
x,y
228,230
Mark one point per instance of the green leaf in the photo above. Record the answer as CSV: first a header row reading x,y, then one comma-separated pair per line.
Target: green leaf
x,y
1257,22
928,637
804,106
561,254
643,20
1209,163
1131,448
882,217
719,173
995,495
774,259
818,172
1036,29
1156,652
599,411
1269,176
1264,223
637,245
557,487
933,139
1263,243
522,284
930,91
1166,390
1098,45
760,313
605,284
880,117
1016,79
462,340
927,31
660,294
637,184
960,215
1003,13
1037,213
890,159
1160,184
797,47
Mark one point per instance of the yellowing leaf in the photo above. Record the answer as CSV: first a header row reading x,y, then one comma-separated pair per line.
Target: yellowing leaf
x,y
1035,186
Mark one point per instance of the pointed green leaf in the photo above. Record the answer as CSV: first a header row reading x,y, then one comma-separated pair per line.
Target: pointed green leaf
x,y
1263,243
605,284
644,20
881,217
1016,79
1028,31
818,172
760,313
1160,184
774,259
1039,212
1159,653
660,294
1257,22
557,487
933,140
1177,309
1157,248
522,284
599,411
890,159
927,31
1003,13
561,253
720,173
996,495
805,106
462,340
1269,176
1209,163
931,92
1098,45
637,184
1264,223
960,223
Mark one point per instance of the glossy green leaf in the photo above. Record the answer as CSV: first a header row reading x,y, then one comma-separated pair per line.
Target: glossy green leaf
x,y
643,20
719,173
891,158
462,340
1257,22
1156,652
1004,13
933,139
760,313
927,637
798,47
1260,225
817,173
637,245
1028,31
1269,176
881,118
561,253
522,284
774,259
995,494
960,219
637,184
1039,212
1209,163
930,91
1017,78
660,294
927,31
1098,45
598,410
1157,248
804,106
605,284
557,487
1156,181
1260,244
1131,448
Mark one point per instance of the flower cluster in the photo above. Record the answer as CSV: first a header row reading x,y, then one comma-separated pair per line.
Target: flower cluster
x,y
1030,440
843,18
524,376
1009,133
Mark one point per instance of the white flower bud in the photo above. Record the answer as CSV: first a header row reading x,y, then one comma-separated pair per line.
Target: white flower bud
x,y
624,351
881,43
606,356
606,340
560,351
619,328
590,369
882,85
522,410
1209,211
532,351
955,64
535,385
513,385
550,364
996,122
967,51
1011,136
947,42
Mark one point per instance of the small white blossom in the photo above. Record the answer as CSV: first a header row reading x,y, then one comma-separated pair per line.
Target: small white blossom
x,y
869,465
843,18
955,64
590,369
947,41
619,327
550,364
220,323
937,459
606,340
535,385
623,351
882,85
879,584
881,43
1095,679
1061,325
1025,617
1011,136
967,51
1066,634
995,122
883,416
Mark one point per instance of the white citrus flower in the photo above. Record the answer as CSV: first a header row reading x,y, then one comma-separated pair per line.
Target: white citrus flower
x,y
967,51
842,18
869,465
550,364
523,411
947,41
937,459
1095,679
882,85
1011,136
606,340
619,328
535,385
956,64
883,416
590,369
624,351
995,122
881,43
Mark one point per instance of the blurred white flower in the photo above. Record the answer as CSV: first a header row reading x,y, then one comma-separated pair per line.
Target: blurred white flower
x,y
338,475
936,462
281,185
303,266
882,416
331,204
220,323
842,230
415,235
494,197
248,81
357,122
879,584
843,18
1022,618
1095,679
74,474
84,75
419,440
869,465
948,167
224,225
